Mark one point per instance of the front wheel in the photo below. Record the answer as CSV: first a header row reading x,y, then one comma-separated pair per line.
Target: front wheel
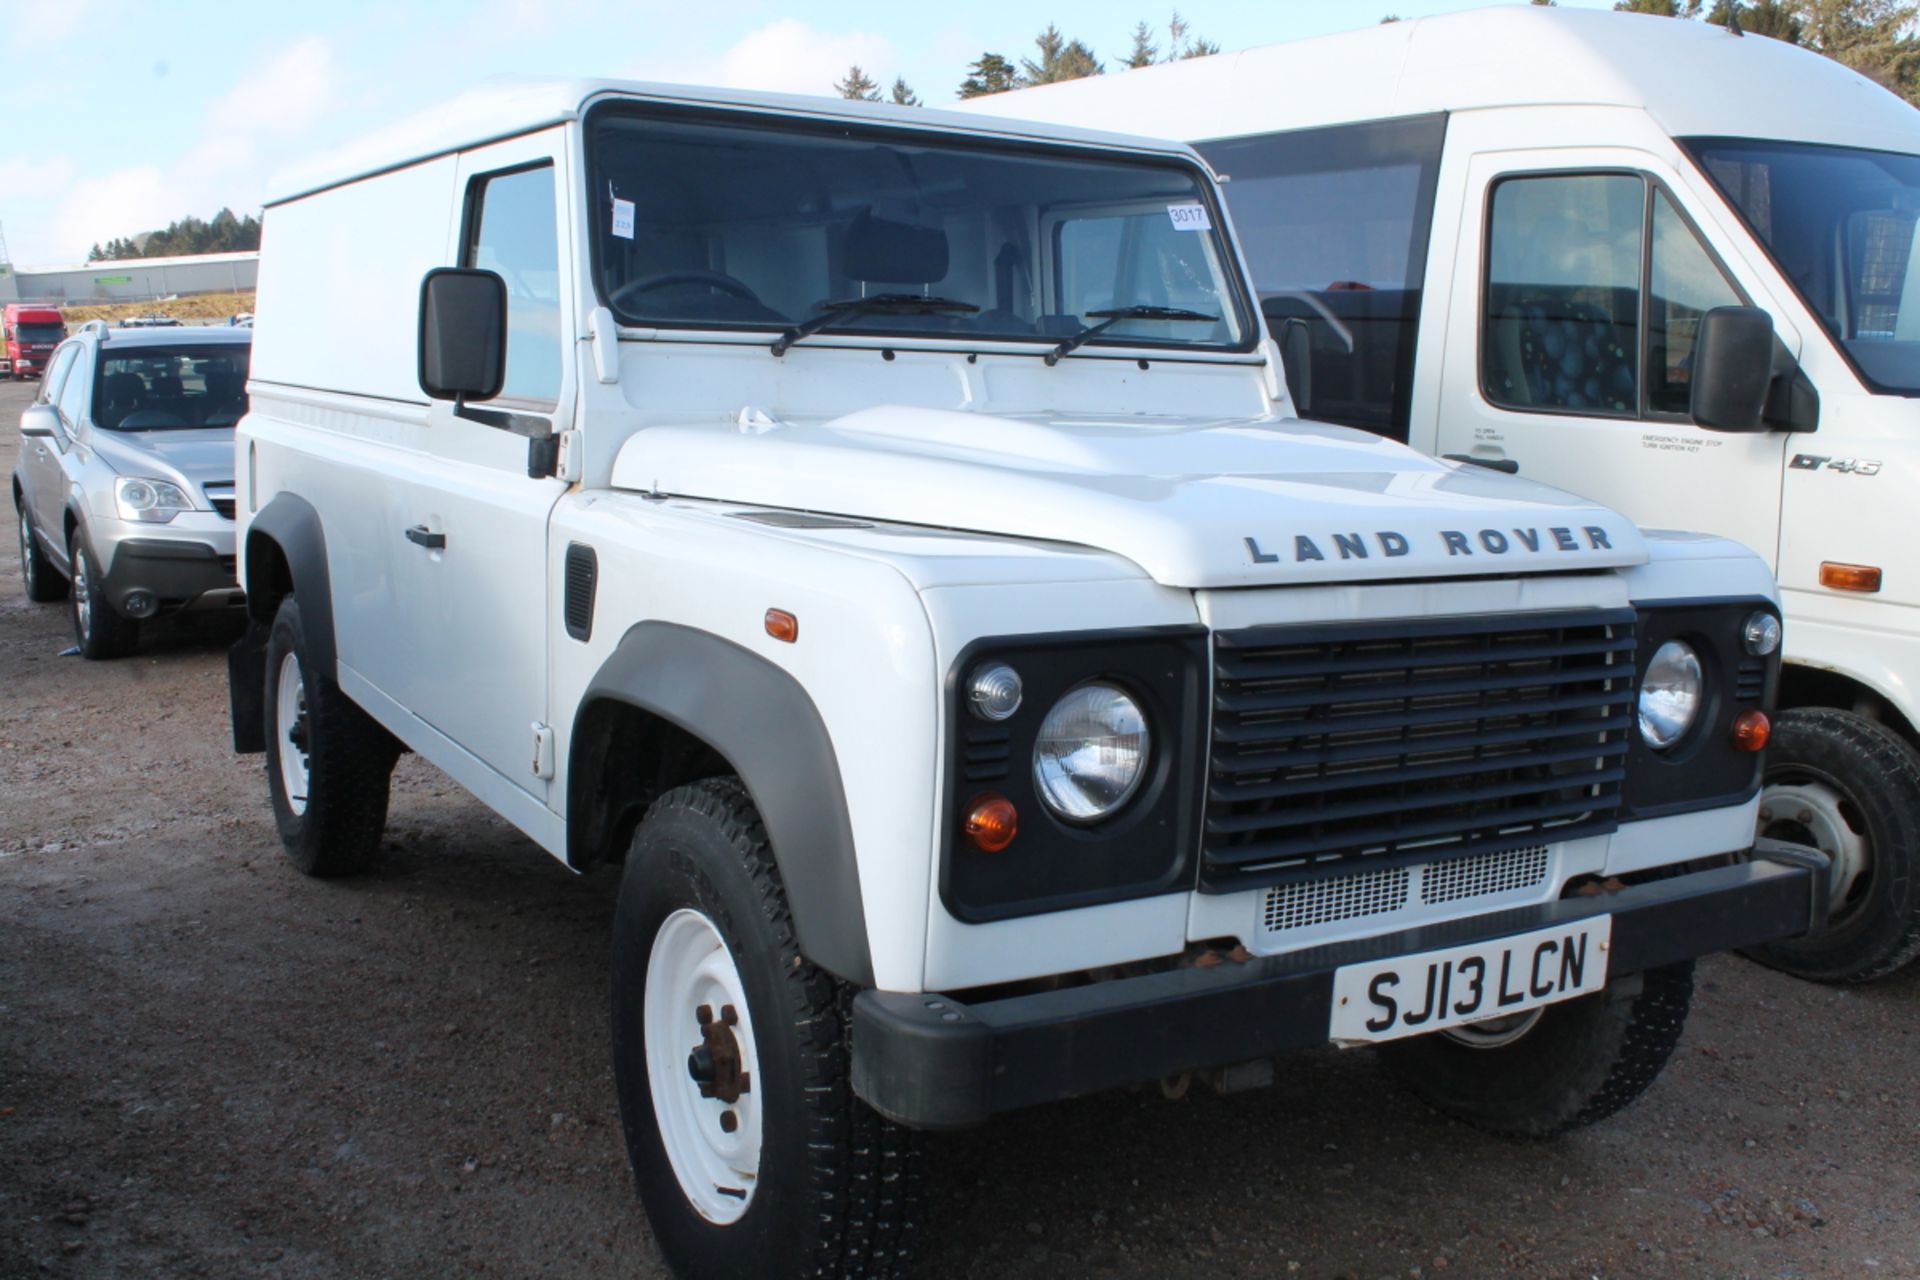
x,y
1541,1073
1850,787
751,1153
98,630
329,764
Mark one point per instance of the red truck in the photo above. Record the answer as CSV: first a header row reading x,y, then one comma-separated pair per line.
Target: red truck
x,y
31,333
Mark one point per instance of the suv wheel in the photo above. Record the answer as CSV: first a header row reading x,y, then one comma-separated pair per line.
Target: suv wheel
x,y
751,1152
98,630
1544,1072
1850,787
329,764
42,580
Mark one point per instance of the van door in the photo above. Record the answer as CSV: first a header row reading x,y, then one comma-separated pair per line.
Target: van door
x,y
472,551
1576,298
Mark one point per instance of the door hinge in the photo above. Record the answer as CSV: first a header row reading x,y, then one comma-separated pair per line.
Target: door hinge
x,y
542,750
569,464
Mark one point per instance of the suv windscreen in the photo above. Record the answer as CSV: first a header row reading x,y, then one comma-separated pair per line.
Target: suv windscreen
x,y
40,333
729,222
1841,224
170,388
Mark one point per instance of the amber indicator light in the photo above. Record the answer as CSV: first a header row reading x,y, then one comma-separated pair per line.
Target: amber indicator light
x,y
782,625
1751,729
991,823
1849,577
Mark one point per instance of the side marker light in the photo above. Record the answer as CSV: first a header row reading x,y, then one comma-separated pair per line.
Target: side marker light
x,y
782,625
1849,577
1751,729
991,823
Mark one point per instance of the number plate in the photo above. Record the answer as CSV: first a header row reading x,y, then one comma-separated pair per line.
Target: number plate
x,y
1412,995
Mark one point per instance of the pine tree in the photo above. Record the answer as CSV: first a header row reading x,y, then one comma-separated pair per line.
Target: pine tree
x,y
1145,52
991,73
1774,18
857,86
1179,46
1874,37
903,95
1660,8
1060,59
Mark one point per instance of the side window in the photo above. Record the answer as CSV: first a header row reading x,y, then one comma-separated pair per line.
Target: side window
x,y
511,230
1595,285
1562,305
1683,283
1335,223
73,394
51,383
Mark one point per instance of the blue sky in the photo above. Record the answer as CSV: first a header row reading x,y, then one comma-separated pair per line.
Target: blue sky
x,y
128,114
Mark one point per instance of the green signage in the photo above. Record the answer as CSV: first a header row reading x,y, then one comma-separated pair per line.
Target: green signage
x,y
113,279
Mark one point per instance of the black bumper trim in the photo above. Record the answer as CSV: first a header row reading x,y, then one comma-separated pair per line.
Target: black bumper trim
x,y
172,570
934,1062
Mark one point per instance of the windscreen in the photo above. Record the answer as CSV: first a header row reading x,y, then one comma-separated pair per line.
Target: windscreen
x,y
709,221
1841,223
40,333
170,388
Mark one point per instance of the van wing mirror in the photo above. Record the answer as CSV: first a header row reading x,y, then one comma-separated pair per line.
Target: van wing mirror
x,y
37,421
463,334
1732,369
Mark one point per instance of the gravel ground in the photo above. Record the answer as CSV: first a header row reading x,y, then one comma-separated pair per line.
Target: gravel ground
x,y
211,1066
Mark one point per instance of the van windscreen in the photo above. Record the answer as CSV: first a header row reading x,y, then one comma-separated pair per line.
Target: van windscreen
x,y
711,220
1841,224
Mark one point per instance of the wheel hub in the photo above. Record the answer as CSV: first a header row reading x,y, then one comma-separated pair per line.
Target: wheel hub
x,y
1814,813
1495,1033
715,1063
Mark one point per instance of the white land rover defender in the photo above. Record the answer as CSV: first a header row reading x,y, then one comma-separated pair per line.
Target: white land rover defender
x,y
887,532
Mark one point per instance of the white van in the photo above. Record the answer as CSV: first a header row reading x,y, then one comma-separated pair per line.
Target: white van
x,y
887,535
1494,235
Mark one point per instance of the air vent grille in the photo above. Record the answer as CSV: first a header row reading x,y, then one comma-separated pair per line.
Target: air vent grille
x,y
582,569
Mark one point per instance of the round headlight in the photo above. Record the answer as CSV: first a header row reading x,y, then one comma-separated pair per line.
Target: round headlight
x,y
1091,754
1670,694
1761,635
993,691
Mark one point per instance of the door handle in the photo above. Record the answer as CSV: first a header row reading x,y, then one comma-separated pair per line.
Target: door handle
x,y
422,536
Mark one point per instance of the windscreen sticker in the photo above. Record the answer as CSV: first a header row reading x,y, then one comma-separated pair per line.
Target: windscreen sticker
x,y
1189,217
623,218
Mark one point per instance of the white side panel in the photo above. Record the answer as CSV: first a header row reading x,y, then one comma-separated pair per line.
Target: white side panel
x,y
340,277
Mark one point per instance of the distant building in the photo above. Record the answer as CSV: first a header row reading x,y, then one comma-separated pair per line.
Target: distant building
x,y
131,279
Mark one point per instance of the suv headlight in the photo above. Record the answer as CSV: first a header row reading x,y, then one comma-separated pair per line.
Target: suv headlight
x,y
1671,693
1091,753
150,501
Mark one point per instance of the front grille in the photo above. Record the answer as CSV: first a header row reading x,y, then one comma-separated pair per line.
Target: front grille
x,y
1480,874
1391,743
1331,898
1302,904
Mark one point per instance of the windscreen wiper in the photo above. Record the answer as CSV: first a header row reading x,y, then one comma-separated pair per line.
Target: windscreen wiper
x,y
905,304
1114,315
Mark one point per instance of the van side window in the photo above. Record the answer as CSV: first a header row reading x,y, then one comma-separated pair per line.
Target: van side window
x,y
1591,280
1684,282
510,225
1335,223
1563,294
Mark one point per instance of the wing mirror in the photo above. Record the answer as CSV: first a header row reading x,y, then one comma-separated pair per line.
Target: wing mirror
x,y
463,334
1732,369
37,421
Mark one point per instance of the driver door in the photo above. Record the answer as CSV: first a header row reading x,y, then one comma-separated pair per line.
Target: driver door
x,y
470,548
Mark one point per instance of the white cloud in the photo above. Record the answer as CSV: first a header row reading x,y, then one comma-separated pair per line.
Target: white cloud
x,y
784,56
41,26
284,95
121,203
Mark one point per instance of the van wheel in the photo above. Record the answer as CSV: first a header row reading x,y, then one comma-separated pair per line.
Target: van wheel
x,y
1544,1072
42,581
751,1153
329,764
1850,787
98,630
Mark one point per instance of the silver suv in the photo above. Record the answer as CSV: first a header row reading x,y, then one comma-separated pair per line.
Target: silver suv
x,y
124,484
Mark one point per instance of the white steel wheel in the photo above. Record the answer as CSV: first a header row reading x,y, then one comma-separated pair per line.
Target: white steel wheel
x,y
1495,1033
1810,810
290,718
702,1066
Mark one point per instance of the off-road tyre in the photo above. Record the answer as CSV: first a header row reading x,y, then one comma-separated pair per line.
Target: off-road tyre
x,y
840,1192
1581,1062
44,583
335,829
1876,775
99,631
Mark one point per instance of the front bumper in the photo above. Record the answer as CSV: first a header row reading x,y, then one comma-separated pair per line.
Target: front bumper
x,y
177,572
934,1062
